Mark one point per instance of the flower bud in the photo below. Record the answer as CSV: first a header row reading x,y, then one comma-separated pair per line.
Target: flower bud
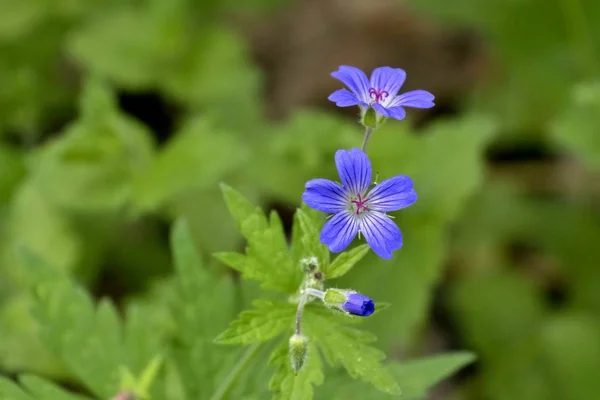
x,y
298,351
350,302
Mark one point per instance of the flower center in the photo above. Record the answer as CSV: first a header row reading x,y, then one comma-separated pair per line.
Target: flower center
x,y
377,94
360,204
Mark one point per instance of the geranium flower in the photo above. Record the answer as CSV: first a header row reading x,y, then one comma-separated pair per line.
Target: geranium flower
x,y
379,93
355,208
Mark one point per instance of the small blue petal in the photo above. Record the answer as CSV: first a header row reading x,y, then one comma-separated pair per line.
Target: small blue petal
x,y
388,79
339,231
325,195
355,79
381,233
359,305
344,98
392,194
381,109
415,98
355,170
396,112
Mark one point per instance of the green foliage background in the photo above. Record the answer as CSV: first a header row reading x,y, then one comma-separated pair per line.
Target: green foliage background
x,y
98,292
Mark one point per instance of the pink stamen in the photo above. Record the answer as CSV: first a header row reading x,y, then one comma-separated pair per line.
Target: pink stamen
x,y
377,94
361,204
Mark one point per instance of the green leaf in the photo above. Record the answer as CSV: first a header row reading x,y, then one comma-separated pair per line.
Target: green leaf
x,y
306,241
236,261
94,164
268,320
86,340
217,64
201,305
495,310
268,257
45,390
416,377
576,126
201,295
345,261
239,207
11,391
54,238
122,42
572,355
288,386
195,158
349,348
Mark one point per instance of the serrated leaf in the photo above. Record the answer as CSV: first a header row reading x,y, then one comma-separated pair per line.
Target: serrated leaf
x,y
268,258
348,347
186,260
236,261
345,261
82,337
204,300
306,241
239,207
268,320
288,386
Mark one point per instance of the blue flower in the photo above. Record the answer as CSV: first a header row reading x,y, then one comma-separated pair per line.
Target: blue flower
x,y
355,208
358,304
379,93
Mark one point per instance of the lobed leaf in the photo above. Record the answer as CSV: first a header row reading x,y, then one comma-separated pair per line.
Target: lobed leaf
x,y
349,348
268,320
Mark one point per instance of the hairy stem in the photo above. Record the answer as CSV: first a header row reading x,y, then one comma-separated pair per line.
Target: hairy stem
x,y
234,374
299,311
368,131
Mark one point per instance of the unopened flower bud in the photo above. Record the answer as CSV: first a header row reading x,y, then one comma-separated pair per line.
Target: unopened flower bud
x,y
298,351
350,302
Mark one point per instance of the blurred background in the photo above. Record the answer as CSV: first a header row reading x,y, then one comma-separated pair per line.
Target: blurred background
x,y
117,116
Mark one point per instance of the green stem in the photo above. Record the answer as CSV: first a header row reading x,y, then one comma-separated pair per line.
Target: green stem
x,y
299,311
230,379
368,131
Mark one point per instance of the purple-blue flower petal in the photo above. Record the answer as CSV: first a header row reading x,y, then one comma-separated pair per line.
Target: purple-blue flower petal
x,y
388,79
396,112
344,98
392,194
358,304
355,170
415,98
355,79
325,195
381,233
381,109
339,231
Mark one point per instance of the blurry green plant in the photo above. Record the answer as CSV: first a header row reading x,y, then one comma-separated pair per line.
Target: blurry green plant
x,y
90,197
